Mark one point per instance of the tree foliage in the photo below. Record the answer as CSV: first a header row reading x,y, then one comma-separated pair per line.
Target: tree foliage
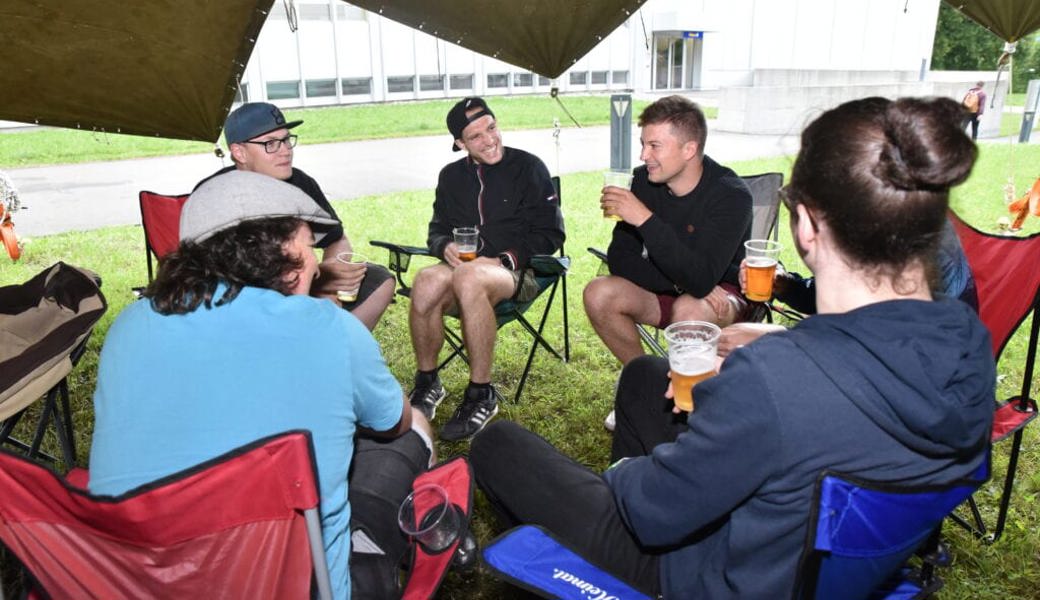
x,y
963,45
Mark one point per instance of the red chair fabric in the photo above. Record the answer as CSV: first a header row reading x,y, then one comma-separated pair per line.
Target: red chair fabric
x,y
232,527
428,570
161,218
1007,277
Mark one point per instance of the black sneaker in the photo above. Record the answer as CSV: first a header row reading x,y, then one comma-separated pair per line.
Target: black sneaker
x,y
427,397
477,408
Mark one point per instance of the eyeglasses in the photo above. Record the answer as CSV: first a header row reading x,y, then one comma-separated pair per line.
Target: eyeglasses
x,y
272,146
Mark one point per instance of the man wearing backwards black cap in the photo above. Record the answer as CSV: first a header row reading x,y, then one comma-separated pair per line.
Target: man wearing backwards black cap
x,y
228,348
258,139
508,195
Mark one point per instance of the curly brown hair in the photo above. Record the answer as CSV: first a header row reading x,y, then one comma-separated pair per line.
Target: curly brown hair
x,y
249,254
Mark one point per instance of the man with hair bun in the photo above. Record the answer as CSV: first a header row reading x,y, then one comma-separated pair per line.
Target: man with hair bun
x,y
886,382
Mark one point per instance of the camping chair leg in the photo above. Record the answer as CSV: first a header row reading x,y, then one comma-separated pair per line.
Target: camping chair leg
x,y
566,325
651,341
458,348
63,426
1009,481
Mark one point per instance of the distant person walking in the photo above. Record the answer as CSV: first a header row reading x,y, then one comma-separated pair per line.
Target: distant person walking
x,y
974,105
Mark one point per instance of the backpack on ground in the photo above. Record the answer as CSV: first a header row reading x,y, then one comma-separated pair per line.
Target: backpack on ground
x,y
971,101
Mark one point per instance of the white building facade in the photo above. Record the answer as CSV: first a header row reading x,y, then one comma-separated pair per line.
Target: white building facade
x,y
768,62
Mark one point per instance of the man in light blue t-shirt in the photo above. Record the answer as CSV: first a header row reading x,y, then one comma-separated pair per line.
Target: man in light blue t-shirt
x,y
228,347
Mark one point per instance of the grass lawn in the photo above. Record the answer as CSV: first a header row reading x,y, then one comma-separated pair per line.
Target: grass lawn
x,y
566,403
328,124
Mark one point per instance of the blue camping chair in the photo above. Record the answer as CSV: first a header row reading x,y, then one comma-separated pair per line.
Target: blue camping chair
x,y
863,532
861,536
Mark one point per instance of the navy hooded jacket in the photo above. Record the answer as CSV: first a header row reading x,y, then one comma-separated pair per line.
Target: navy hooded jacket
x,y
899,391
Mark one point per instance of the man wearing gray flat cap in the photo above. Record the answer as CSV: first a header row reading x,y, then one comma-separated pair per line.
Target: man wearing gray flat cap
x,y
227,347
259,141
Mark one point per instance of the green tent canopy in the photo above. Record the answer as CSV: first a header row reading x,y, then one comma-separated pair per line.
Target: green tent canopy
x,y
543,36
1010,20
170,68
166,68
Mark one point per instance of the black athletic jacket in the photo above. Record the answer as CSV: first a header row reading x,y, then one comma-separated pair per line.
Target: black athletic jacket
x,y
513,202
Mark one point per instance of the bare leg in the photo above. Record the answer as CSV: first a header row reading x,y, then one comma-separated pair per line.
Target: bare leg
x,y
478,288
614,306
369,311
431,297
715,308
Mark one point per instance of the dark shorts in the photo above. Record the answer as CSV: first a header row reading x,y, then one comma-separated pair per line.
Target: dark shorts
x,y
375,276
525,288
721,298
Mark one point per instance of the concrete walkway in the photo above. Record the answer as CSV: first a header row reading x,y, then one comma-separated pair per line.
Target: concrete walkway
x,y
93,195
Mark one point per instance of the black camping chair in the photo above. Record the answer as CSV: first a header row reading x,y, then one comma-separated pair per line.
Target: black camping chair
x,y
550,272
765,204
45,324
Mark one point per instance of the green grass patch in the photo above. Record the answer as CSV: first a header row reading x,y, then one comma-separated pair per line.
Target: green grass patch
x,y
46,146
566,403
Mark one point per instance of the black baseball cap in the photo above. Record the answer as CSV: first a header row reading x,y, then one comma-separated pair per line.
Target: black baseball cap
x,y
253,119
457,119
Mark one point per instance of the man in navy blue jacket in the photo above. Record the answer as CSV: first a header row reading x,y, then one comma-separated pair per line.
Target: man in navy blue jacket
x,y
508,195
885,382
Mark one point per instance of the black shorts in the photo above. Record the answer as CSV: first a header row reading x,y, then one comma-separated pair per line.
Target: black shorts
x,y
375,275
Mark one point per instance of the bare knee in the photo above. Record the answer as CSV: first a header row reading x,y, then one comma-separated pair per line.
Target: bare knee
x,y
599,297
430,289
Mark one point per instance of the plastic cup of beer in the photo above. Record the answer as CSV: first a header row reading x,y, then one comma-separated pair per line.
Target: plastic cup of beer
x,y
466,239
760,259
428,517
349,258
692,347
616,178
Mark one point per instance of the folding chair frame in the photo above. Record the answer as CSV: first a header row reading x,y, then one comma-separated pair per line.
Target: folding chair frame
x,y
1022,408
841,535
56,407
766,207
543,265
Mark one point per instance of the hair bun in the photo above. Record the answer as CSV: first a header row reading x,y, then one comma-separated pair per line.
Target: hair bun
x,y
925,147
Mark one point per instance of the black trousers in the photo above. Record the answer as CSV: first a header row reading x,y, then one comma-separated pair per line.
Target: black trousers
x,y
528,481
380,478
973,119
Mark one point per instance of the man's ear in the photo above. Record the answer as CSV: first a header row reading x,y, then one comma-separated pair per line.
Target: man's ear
x,y
236,151
460,145
690,150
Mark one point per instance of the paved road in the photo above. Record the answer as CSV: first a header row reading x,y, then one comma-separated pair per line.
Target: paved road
x,y
92,195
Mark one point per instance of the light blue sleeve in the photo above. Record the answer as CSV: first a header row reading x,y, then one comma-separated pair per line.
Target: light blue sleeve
x,y
378,400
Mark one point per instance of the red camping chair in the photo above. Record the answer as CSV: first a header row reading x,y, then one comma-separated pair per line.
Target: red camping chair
x,y
243,525
1007,277
161,218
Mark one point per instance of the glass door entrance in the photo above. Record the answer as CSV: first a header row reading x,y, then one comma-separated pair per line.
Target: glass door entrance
x,y
677,60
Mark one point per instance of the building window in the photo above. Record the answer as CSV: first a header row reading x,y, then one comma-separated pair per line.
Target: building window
x,y
431,83
579,77
619,77
242,93
346,12
281,90
599,77
544,81
461,82
498,80
319,88
356,86
314,12
523,79
404,83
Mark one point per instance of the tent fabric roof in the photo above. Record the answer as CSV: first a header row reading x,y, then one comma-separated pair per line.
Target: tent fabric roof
x,y
544,36
165,68
1010,20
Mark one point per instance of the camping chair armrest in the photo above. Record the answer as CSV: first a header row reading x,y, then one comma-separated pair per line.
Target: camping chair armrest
x,y
399,259
548,264
598,254
403,249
